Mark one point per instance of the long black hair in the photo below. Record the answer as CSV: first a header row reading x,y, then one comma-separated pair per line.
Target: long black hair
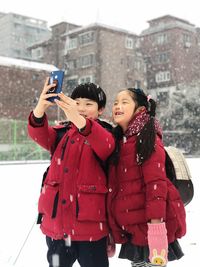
x,y
145,143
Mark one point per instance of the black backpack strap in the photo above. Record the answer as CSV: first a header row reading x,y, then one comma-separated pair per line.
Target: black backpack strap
x,y
169,167
60,132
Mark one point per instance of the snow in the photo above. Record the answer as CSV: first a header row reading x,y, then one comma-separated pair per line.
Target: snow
x,y
23,244
7,61
94,25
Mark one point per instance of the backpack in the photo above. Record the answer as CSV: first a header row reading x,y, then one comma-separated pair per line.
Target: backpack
x,y
178,172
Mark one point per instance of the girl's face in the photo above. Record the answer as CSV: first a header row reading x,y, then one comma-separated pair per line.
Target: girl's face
x,y
88,108
123,109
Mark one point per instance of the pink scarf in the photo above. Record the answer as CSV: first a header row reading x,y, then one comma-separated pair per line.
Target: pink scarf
x,y
138,122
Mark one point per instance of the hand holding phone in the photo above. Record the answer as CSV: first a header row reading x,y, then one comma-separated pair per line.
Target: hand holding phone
x,y
56,77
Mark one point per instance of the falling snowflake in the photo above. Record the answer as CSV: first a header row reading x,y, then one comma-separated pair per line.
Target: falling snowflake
x,y
55,260
101,226
68,241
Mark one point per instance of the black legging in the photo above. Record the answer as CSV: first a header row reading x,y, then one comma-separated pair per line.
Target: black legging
x,y
88,254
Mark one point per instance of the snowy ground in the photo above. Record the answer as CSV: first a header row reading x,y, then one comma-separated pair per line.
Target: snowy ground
x,y
19,191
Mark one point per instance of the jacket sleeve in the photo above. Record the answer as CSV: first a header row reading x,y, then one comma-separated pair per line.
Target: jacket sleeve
x,y
155,180
41,132
100,139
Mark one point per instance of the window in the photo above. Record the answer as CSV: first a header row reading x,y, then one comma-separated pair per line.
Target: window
x,y
162,39
17,26
86,79
87,61
72,64
133,63
137,43
186,40
37,53
186,37
18,38
162,76
137,65
129,43
162,58
130,62
163,97
72,82
86,38
17,52
71,43
34,78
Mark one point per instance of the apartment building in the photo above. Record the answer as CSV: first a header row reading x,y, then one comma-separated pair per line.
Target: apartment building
x,y
104,55
164,60
18,32
171,50
170,47
51,51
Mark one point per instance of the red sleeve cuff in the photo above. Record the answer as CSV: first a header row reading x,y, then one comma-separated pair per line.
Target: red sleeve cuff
x,y
36,122
87,129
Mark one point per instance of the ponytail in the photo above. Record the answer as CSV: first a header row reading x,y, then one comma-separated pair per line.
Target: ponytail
x,y
145,143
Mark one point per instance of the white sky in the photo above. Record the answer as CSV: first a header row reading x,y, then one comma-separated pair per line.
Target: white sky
x,y
127,14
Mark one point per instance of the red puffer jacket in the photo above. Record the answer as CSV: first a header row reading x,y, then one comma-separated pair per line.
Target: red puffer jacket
x,y
139,193
72,200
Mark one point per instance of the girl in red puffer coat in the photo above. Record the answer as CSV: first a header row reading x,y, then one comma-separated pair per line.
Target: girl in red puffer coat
x,y
146,213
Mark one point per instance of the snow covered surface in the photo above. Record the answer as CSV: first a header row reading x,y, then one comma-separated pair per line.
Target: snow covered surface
x,y
19,191
8,61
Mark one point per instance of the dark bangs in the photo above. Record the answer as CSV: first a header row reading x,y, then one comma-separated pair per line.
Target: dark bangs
x,y
90,91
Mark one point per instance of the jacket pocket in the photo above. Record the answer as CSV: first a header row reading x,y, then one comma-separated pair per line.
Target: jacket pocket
x,y
91,203
48,200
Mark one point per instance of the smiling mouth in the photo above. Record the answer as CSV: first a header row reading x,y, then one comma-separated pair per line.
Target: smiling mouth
x,y
119,113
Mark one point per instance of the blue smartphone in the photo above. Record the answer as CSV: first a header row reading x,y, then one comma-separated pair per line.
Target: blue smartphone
x,y
57,78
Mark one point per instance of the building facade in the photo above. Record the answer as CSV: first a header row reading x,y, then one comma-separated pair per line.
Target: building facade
x,y
104,55
18,32
170,47
164,60
21,86
51,51
96,53
171,50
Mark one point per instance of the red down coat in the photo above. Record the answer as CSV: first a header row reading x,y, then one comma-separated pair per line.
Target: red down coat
x,y
139,193
76,179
